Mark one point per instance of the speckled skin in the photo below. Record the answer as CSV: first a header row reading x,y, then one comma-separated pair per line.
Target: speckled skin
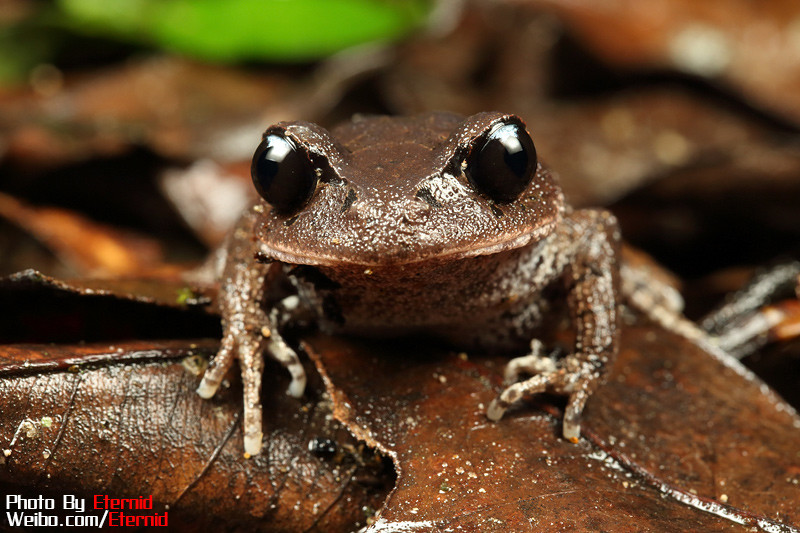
x,y
395,241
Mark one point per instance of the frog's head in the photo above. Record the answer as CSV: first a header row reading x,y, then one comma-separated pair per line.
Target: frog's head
x,y
387,190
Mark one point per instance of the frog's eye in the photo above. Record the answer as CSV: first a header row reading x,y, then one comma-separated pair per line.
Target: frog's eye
x,y
503,166
282,173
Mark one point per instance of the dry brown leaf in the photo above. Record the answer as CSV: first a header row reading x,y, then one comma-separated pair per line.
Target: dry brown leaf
x,y
123,420
89,248
676,441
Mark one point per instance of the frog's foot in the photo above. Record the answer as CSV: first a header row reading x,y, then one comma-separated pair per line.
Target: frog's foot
x,y
246,342
246,346
568,376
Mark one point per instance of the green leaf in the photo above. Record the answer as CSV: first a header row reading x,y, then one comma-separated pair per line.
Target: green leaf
x,y
283,30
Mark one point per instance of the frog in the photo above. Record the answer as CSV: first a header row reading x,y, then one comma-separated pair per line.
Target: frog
x,y
433,225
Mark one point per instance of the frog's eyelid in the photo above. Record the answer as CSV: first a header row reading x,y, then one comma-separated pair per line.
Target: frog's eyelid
x,y
455,150
325,154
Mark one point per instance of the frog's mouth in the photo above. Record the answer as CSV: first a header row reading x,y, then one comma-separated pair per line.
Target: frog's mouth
x,y
399,254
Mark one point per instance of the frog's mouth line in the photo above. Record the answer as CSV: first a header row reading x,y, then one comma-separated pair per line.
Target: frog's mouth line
x,y
409,258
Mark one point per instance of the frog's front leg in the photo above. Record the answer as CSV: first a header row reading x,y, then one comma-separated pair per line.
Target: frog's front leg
x,y
248,331
590,240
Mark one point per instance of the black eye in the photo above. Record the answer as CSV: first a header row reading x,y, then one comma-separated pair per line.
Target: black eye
x,y
503,167
282,174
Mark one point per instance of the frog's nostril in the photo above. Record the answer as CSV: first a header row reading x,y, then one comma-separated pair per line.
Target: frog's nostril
x,y
348,201
425,194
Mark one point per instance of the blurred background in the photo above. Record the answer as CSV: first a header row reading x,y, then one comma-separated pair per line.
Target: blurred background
x,y
126,128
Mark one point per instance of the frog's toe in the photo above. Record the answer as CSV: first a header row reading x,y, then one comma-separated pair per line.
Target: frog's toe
x,y
287,357
212,378
495,411
207,388
252,428
514,393
253,443
572,431
298,385
573,413
252,366
533,363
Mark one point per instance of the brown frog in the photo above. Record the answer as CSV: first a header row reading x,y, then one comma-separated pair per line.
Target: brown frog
x,y
434,224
